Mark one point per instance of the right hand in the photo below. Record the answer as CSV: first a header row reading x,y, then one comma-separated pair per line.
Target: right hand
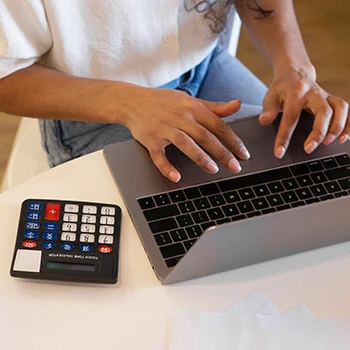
x,y
159,117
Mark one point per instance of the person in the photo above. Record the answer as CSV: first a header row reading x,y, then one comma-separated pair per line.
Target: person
x,y
97,72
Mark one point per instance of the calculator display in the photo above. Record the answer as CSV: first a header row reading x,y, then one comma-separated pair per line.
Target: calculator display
x,y
68,266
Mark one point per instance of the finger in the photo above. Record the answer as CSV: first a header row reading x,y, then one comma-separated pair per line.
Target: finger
x,y
271,108
323,116
187,145
344,136
222,109
165,167
340,115
290,117
213,146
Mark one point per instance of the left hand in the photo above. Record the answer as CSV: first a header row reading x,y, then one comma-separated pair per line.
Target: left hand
x,y
293,91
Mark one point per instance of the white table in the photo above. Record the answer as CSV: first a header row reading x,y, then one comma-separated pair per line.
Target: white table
x,y
133,314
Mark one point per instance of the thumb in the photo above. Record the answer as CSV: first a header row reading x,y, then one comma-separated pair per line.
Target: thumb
x,y
223,109
271,108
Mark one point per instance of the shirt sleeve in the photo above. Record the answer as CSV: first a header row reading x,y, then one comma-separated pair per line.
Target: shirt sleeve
x,y
24,34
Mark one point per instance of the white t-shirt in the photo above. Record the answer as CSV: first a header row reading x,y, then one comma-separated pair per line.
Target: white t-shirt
x,y
145,42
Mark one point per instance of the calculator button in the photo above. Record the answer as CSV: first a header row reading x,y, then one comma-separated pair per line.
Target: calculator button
x,y
35,206
87,238
86,247
52,212
107,220
107,211
88,219
33,216
71,208
48,245
31,234
69,227
87,228
89,209
32,225
105,249
107,229
29,244
105,239
70,217
68,237
52,226
50,236
67,246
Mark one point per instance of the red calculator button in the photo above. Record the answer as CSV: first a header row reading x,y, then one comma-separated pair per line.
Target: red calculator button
x,y
105,249
29,243
52,211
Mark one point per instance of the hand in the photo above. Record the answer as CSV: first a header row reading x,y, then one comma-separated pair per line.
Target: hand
x,y
292,92
159,117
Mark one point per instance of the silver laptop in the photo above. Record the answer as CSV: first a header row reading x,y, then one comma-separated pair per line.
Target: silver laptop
x,y
211,223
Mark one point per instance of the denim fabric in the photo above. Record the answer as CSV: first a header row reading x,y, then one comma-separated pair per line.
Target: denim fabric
x,y
219,77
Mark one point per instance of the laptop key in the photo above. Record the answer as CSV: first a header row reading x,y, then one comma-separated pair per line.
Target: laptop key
x,y
260,203
290,184
297,204
232,197
173,261
238,217
318,178
192,192
200,216
283,207
177,196
172,250
327,197
332,187
312,200
246,193
146,203
162,199
343,159
216,200
161,212
275,187
223,221
206,225
289,197
329,163
163,238
315,165
299,169
338,173
245,207
189,244
194,231
230,210
318,190
268,211
215,213
304,193
340,194
254,213
209,189
275,200
304,180
344,184
178,235
261,190
186,207
201,203
184,220
163,225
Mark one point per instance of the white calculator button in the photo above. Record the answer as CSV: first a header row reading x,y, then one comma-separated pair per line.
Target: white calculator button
x,y
67,226
87,238
68,237
70,217
105,239
71,208
107,211
87,228
89,209
107,220
88,219
109,230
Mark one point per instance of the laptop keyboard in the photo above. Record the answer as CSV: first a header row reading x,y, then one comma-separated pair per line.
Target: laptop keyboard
x,y
178,218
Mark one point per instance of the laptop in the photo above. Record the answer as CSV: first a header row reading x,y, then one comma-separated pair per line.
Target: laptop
x,y
212,223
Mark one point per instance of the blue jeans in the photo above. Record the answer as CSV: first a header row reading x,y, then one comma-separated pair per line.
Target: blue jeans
x,y
219,77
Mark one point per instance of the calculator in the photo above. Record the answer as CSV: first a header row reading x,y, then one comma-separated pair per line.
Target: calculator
x,y
67,241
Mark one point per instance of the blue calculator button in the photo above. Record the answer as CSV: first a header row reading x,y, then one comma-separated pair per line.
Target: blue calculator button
x,y
86,247
53,226
35,206
33,216
32,225
48,245
31,234
50,236
67,246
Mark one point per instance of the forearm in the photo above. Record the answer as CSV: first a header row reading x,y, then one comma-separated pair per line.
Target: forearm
x,y
277,37
44,93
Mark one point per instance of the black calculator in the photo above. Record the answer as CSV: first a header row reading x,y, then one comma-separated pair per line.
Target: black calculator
x,y
67,241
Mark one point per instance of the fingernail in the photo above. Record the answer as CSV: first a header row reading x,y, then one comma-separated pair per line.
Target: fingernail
x,y
281,151
245,154
311,147
212,167
234,166
174,176
329,139
343,139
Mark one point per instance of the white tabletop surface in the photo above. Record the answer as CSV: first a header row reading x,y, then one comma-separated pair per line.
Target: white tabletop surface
x,y
133,314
